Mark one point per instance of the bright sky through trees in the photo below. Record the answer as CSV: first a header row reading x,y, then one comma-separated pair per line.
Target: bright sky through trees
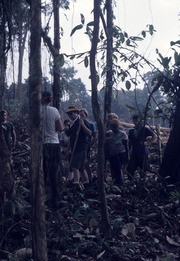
x,y
132,16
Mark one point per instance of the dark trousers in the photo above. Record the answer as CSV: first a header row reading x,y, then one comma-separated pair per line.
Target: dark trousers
x,y
116,163
137,161
51,163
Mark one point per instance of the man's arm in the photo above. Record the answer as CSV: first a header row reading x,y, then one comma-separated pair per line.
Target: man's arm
x,y
59,125
151,139
86,129
13,138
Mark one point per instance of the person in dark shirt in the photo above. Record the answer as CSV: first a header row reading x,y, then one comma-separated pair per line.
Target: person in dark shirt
x,y
79,133
140,137
8,130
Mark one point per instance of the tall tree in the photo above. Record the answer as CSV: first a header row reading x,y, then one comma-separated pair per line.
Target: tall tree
x,y
169,80
21,24
38,216
56,72
105,226
109,62
5,42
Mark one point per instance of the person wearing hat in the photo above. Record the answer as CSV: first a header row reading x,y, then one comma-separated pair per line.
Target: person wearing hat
x,y
79,133
52,125
140,137
117,147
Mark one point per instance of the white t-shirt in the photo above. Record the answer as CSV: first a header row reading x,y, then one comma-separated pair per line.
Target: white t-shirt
x,y
50,116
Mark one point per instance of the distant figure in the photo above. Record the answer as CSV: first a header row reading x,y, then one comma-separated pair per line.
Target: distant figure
x,y
117,151
140,137
8,142
52,125
79,133
8,130
111,116
92,140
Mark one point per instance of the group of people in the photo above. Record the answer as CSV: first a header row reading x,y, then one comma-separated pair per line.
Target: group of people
x,y
122,150
127,151
76,136
73,139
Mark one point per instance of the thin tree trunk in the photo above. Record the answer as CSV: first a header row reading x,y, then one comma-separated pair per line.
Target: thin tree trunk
x,y
2,56
56,85
21,43
105,227
38,214
170,165
109,63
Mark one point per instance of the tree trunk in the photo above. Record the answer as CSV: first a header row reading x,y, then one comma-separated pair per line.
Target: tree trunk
x,y
98,117
56,85
170,165
38,215
21,46
2,56
109,63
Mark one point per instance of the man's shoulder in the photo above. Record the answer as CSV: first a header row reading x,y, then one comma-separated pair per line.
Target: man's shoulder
x,y
91,125
51,110
8,124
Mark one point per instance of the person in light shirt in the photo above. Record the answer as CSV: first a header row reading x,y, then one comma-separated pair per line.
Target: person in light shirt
x,y
52,125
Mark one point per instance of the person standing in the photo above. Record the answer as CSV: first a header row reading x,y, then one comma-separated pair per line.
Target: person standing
x,y
140,137
8,130
79,133
117,147
52,125
8,142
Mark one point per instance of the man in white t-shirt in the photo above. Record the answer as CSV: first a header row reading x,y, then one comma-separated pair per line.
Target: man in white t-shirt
x,y
52,125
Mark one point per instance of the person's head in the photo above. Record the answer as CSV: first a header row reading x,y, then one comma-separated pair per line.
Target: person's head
x,y
3,115
136,119
83,113
67,122
73,111
46,97
112,116
114,125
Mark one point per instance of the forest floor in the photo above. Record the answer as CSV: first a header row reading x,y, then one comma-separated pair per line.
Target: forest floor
x,y
144,217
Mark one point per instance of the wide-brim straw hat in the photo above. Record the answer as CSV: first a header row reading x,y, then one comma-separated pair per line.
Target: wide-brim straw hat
x,y
73,107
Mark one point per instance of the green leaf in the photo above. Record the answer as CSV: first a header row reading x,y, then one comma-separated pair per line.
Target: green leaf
x,y
130,107
177,58
82,19
97,79
90,23
143,34
76,28
135,38
174,43
61,60
122,38
72,57
151,29
86,61
128,85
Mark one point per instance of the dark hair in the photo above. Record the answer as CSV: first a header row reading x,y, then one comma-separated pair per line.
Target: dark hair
x,y
66,121
46,97
3,111
136,116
